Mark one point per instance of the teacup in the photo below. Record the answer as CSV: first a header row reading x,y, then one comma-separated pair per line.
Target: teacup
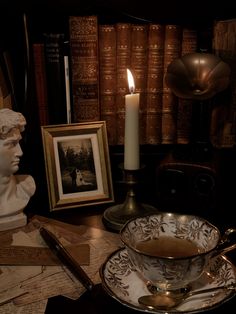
x,y
171,250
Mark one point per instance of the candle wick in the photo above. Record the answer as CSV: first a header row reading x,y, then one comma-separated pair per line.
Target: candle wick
x,y
131,89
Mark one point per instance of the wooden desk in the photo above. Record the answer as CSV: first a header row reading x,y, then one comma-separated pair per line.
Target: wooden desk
x,y
102,303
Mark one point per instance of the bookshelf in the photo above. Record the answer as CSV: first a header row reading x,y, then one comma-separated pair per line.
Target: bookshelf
x,y
39,20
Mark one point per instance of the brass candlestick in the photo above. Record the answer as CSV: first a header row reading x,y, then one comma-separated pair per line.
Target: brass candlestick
x,y
116,216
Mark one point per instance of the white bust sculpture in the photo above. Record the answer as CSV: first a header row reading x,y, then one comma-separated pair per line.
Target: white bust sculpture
x,y
15,190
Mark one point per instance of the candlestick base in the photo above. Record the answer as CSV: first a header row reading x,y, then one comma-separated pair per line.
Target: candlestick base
x,y
116,216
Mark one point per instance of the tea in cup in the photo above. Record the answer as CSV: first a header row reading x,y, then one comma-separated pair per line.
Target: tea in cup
x,y
171,250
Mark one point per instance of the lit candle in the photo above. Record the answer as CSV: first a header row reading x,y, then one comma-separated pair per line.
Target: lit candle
x,y
131,142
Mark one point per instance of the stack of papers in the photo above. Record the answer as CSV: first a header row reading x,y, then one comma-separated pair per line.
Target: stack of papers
x,y
26,282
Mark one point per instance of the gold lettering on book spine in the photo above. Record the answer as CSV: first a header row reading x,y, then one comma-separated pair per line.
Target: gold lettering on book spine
x,y
83,32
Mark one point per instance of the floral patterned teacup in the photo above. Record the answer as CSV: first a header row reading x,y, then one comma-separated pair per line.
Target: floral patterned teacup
x,y
171,250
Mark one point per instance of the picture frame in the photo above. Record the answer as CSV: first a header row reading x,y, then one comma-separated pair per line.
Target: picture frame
x,y
77,164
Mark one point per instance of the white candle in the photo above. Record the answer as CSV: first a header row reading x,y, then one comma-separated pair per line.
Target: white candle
x,y
131,142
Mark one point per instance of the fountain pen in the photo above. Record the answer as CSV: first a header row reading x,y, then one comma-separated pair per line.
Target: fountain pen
x,y
66,258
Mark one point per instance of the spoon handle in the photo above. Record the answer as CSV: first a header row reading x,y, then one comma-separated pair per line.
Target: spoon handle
x,y
168,300
213,289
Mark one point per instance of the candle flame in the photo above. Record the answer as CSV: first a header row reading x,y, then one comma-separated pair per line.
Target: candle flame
x,y
130,81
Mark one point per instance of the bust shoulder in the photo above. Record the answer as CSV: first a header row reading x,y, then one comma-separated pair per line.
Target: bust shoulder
x,y
25,185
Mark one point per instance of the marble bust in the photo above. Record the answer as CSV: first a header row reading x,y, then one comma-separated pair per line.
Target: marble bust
x,y
15,189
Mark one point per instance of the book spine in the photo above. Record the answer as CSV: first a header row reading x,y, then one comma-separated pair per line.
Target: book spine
x,y
223,120
83,33
184,115
67,69
40,82
172,50
139,44
107,71
156,38
67,87
7,99
55,73
123,59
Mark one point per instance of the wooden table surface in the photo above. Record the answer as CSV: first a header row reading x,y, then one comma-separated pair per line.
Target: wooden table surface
x,y
100,302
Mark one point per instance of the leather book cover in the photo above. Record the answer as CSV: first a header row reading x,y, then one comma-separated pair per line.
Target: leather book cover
x,y
123,59
107,71
55,77
156,37
83,34
139,53
6,99
223,120
172,50
40,82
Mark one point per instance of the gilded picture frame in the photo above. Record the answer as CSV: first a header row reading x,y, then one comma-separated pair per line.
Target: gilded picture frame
x,y
77,164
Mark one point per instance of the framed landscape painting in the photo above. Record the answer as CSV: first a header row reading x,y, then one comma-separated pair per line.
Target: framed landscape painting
x,y
77,164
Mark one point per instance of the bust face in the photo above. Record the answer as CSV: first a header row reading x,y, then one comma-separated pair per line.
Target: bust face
x,y
10,153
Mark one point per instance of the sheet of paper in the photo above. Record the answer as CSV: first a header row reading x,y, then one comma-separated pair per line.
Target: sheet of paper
x,y
44,282
45,287
11,276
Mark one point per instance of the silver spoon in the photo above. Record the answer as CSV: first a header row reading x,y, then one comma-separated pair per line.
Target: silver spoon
x,y
163,300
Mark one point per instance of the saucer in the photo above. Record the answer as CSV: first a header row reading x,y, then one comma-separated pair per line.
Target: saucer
x,y
126,285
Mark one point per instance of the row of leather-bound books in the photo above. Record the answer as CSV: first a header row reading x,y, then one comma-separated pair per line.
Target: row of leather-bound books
x,y
97,57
